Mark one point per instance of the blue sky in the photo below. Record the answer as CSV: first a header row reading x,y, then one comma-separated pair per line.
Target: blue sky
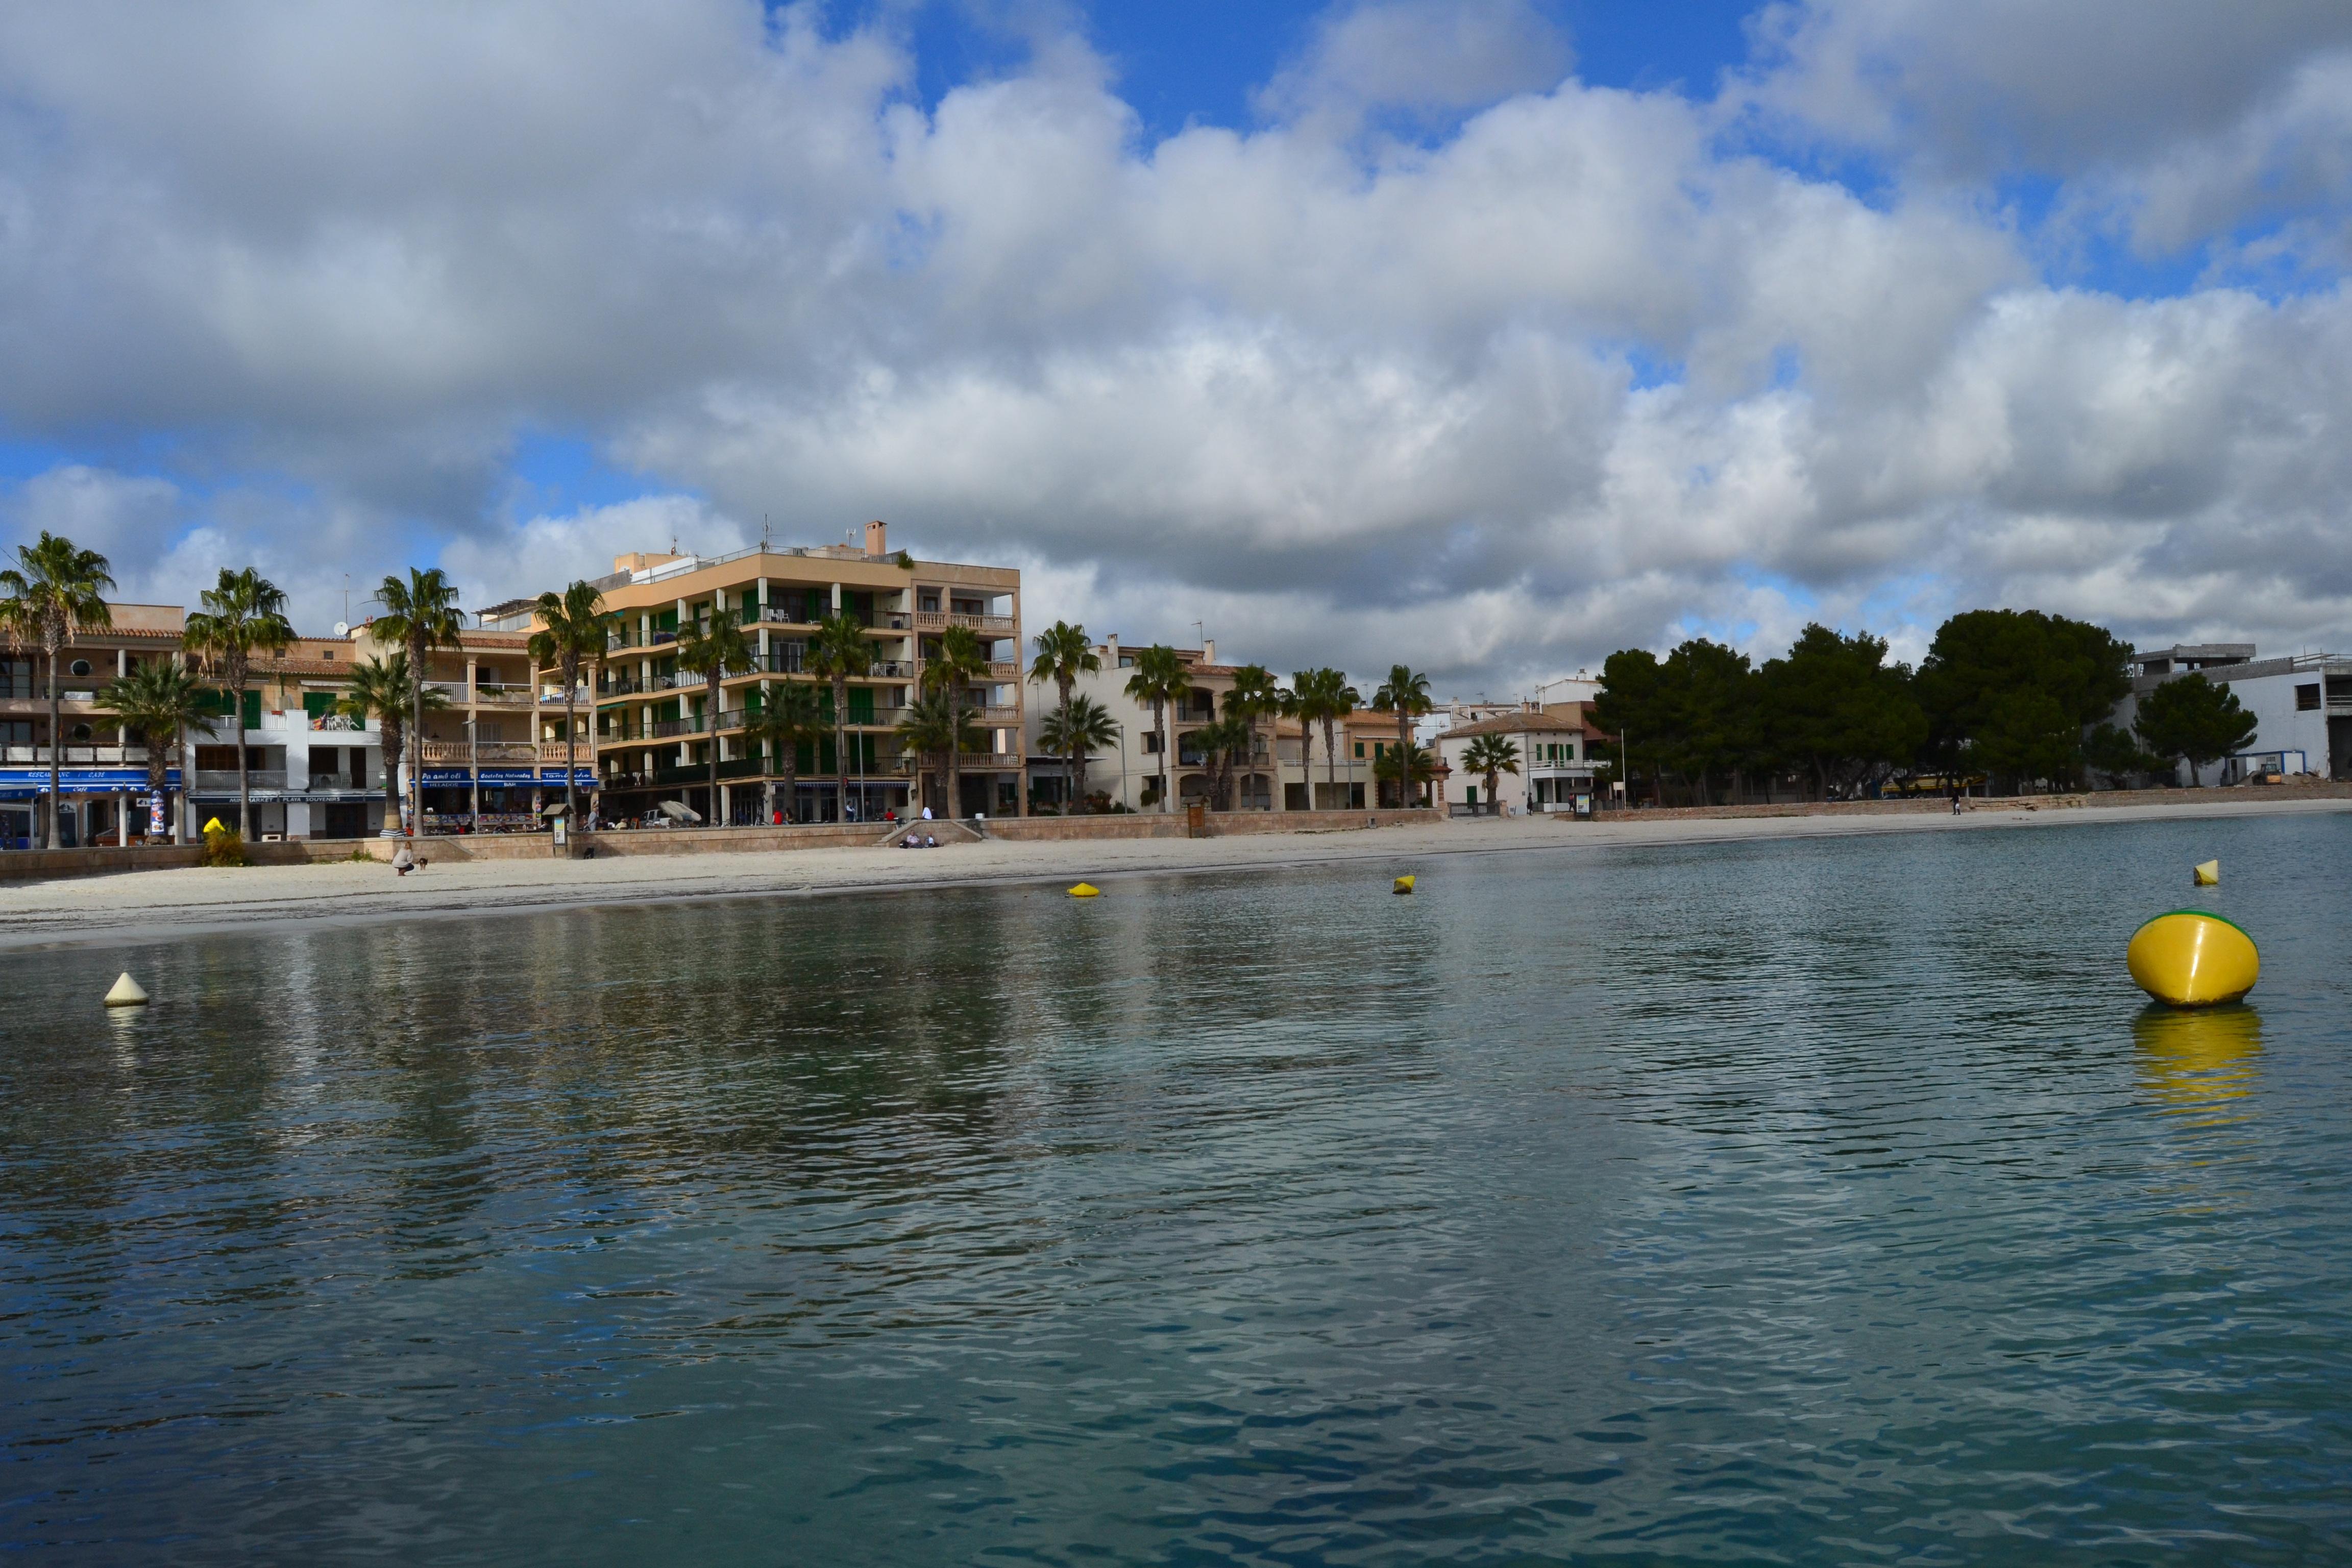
x,y
1490,335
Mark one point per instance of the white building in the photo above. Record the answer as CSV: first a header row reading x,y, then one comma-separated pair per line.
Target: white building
x,y
1555,768
2302,705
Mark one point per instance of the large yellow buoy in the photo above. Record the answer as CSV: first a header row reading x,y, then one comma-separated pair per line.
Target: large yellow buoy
x,y
2192,959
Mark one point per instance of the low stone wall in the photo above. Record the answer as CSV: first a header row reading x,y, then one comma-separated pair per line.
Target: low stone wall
x,y
635,841
1219,825
41,865
2089,798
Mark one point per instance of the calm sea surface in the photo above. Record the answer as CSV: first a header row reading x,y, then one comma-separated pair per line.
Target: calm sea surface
x,y
1830,1202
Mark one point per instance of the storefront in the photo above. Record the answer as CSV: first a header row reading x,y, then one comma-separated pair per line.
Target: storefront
x,y
96,804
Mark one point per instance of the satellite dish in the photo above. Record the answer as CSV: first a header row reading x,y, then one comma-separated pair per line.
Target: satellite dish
x,y
342,629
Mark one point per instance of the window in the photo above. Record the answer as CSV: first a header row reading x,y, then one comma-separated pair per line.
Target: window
x,y
1359,750
927,599
2307,698
79,666
1150,742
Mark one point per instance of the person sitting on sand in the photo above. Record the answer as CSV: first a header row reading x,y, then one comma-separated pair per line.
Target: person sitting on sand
x,y
403,861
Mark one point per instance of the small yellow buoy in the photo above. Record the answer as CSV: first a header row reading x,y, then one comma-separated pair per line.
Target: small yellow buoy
x,y
2209,874
126,993
1086,890
1404,885
2192,959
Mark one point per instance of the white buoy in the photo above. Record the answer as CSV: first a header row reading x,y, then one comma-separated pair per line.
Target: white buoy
x,y
126,993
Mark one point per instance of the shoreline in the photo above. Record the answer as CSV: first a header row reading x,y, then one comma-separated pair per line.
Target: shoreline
x,y
171,905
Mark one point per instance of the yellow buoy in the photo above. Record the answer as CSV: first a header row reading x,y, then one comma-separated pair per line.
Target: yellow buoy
x,y
2209,874
1086,890
1404,885
126,993
214,826
2192,959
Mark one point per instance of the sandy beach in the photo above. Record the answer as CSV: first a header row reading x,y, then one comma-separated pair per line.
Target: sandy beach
x,y
155,905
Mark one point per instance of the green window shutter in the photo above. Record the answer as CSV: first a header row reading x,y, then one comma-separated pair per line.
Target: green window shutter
x,y
318,704
861,705
1360,749
824,756
253,709
804,758
667,620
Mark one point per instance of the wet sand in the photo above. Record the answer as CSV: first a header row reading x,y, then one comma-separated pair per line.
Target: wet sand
x,y
160,905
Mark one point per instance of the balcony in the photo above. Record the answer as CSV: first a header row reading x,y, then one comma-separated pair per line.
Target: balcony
x,y
80,757
966,761
554,695
997,715
665,728
777,615
209,783
503,696
986,626
489,753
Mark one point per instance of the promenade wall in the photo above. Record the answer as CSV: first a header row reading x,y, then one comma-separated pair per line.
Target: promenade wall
x,y
41,865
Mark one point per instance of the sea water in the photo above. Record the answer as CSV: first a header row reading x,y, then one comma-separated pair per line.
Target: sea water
x,y
1787,1201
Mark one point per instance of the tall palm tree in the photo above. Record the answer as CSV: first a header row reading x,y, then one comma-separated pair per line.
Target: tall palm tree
x,y
1220,743
1085,726
1489,755
960,660
1255,696
54,590
422,614
1405,694
570,632
714,653
244,613
1321,696
1415,762
839,652
1159,679
937,724
385,690
1063,655
160,700
788,717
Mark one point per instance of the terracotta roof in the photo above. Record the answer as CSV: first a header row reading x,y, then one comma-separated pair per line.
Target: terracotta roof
x,y
1518,725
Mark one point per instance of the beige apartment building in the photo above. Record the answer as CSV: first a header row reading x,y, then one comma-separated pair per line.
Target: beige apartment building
x,y
1285,775
651,732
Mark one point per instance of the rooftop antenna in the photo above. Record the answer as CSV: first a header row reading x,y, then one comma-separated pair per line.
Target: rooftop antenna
x,y
1199,636
763,534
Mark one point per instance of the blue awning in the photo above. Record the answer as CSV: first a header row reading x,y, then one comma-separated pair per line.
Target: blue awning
x,y
83,781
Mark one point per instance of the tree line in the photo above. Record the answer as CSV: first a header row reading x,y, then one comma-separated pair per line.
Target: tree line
x,y
2008,701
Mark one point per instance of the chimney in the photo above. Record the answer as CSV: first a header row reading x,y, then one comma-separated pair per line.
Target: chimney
x,y
877,539
1110,651
1208,650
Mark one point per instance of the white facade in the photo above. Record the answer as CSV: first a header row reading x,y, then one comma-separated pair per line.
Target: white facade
x,y
2302,706
1554,768
298,766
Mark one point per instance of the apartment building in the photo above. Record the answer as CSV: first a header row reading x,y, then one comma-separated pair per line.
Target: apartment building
x,y
102,778
1133,775
310,772
654,736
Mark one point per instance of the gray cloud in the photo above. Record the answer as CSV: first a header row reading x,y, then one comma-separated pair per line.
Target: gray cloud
x,y
1574,373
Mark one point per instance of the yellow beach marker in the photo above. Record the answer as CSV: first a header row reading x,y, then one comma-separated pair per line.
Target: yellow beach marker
x,y
1086,890
214,826
1404,885
126,993
2192,959
2209,874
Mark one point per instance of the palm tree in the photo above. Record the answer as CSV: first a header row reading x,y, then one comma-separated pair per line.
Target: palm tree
x,y
838,652
160,700
1220,743
422,614
1063,655
1415,762
1322,697
54,590
714,654
937,723
1490,755
385,690
1254,696
1159,679
571,632
959,659
244,613
1406,695
1085,726
788,717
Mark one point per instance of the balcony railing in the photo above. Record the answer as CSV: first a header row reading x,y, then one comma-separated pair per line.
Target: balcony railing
x,y
208,782
998,715
500,754
966,761
987,625
82,756
503,696
665,727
